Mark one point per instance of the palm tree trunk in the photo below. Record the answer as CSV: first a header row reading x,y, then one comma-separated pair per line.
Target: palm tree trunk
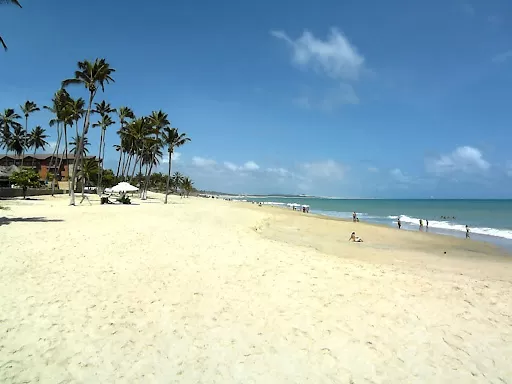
x,y
135,165
26,132
98,186
79,154
56,153
100,176
127,165
66,154
168,176
119,162
34,157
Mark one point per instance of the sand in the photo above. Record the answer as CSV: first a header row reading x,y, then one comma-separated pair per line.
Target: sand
x,y
208,291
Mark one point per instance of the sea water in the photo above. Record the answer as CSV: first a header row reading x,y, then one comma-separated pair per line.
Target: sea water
x,y
488,220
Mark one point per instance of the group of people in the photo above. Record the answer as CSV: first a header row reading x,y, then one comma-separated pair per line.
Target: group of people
x,y
399,224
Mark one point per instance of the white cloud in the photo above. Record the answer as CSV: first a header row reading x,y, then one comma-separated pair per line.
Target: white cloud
x,y
373,169
463,159
175,157
248,166
230,166
329,169
502,57
399,176
202,162
251,166
279,171
335,56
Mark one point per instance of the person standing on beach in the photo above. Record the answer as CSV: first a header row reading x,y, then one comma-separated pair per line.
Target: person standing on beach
x,y
399,223
467,232
354,217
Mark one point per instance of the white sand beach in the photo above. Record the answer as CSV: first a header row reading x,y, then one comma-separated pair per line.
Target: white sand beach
x,y
209,291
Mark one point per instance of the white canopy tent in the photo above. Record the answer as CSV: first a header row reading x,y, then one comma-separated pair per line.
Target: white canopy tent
x,y
124,187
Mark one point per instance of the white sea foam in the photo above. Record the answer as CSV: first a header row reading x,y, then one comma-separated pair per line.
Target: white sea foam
x,y
446,225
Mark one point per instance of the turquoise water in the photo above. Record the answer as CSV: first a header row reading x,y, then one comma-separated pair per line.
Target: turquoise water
x,y
489,220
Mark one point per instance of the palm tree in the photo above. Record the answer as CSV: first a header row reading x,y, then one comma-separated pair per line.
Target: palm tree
x,y
158,121
89,170
172,139
15,2
77,110
18,141
123,113
28,108
59,101
177,181
91,75
138,130
104,123
188,185
8,121
37,139
75,144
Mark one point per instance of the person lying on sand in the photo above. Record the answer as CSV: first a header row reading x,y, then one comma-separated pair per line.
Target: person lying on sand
x,y
354,238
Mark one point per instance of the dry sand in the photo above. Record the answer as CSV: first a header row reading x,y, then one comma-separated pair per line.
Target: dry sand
x,y
207,291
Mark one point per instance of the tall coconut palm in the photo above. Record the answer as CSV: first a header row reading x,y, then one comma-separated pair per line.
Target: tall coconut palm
x,y
15,2
92,75
177,181
105,122
8,121
89,170
158,121
59,102
28,108
123,113
18,141
188,185
172,139
37,139
77,110
75,145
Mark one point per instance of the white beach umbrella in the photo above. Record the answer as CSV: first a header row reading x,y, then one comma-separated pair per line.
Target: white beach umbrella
x,y
124,187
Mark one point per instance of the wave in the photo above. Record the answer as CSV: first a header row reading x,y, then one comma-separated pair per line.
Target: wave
x,y
449,226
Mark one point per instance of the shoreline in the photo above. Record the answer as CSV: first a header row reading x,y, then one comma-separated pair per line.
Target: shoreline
x,y
503,242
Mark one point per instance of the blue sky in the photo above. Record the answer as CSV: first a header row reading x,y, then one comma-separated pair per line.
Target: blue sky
x,y
351,99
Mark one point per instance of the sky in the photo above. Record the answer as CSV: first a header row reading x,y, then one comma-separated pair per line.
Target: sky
x,y
394,99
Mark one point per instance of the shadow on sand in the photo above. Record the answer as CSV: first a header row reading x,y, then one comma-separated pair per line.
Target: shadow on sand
x,y
9,220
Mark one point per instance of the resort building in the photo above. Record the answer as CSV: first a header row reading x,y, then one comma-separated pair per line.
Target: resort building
x,y
45,164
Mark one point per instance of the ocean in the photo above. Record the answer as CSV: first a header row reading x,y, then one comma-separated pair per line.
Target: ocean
x,y
489,220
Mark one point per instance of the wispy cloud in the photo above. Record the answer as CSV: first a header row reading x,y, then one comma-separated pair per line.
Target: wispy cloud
x,y
203,162
463,159
175,157
502,57
248,166
334,56
373,169
494,20
399,176
328,169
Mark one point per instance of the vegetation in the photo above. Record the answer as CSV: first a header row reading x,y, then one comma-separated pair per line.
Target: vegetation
x,y
142,139
25,178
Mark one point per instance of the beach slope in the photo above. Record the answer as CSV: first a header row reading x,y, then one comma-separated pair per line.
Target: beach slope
x,y
203,290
